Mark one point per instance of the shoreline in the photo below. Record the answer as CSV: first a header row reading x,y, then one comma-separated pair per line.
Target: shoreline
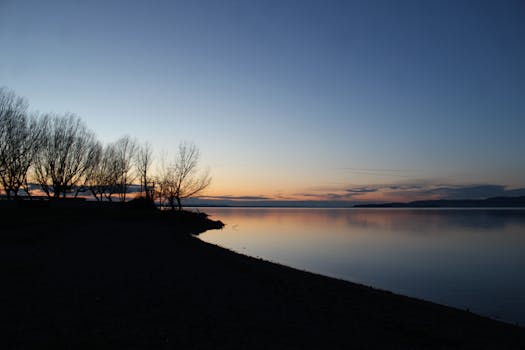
x,y
379,289
360,284
134,281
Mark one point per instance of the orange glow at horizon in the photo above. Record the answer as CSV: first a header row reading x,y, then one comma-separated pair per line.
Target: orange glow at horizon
x,y
306,194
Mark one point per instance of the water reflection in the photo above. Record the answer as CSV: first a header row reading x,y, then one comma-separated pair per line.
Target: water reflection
x,y
462,257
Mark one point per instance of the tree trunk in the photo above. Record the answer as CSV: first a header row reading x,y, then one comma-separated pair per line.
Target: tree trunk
x,y
171,202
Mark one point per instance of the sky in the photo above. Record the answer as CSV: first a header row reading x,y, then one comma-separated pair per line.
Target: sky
x,y
291,99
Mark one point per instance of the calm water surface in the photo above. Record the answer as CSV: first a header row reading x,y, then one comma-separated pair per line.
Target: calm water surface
x,y
467,258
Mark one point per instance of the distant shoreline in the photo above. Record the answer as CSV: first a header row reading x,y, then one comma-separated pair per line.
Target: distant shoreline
x,y
494,202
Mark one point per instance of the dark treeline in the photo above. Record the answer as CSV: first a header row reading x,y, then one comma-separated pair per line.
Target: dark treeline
x,y
63,157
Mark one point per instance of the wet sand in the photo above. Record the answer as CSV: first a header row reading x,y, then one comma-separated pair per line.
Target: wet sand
x,y
77,279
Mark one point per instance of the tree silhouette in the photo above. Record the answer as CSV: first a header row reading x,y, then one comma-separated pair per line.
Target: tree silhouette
x,y
65,155
125,149
144,158
20,137
182,178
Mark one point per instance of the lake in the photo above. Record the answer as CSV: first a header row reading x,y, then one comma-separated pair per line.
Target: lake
x,y
467,258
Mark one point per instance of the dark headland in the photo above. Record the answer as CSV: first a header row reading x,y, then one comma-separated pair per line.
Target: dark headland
x,y
493,202
111,278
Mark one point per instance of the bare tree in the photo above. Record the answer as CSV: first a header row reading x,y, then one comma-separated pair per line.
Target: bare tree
x,y
103,180
182,179
144,158
65,154
97,181
91,175
166,185
19,139
125,149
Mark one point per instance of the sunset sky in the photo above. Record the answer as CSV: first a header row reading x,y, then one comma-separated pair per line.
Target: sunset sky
x,y
303,100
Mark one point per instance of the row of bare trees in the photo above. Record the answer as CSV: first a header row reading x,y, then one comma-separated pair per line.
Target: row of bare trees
x,y
64,158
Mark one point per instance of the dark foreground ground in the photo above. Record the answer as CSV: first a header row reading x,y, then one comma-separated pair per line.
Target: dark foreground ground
x,y
73,279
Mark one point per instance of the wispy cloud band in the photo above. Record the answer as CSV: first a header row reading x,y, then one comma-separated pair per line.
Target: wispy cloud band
x,y
415,191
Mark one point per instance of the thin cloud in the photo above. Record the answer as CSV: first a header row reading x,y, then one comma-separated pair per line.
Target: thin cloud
x,y
361,190
237,198
327,196
388,170
376,171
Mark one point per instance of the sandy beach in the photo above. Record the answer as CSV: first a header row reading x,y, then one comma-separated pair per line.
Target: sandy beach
x,y
131,279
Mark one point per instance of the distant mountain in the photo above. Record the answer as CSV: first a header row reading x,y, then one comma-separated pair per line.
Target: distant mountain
x,y
494,202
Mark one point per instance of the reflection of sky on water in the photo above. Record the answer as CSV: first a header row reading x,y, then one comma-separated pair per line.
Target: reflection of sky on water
x,y
468,258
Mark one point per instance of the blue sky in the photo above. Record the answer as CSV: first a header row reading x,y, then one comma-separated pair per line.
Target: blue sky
x,y
289,99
